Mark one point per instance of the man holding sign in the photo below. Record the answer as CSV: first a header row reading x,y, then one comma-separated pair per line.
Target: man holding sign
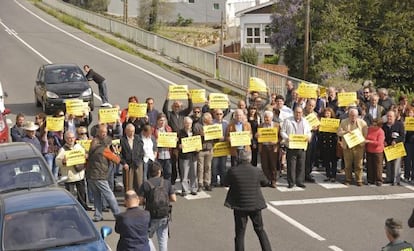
x,y
239,124
295,157
394,133
353,156
75,173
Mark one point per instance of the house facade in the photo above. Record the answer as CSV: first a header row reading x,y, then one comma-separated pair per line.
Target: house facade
x,y
254,28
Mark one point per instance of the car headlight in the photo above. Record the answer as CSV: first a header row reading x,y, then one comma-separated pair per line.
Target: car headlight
x,y
88,92
51,95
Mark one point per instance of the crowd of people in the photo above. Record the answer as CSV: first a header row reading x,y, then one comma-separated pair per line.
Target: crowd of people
x,y
376,115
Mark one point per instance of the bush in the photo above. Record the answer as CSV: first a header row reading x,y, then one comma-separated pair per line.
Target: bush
x,y
249,55
183,21
272,60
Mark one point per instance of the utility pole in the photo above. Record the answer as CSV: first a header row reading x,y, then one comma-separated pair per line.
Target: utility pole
x,y
221,34
125,11
307,35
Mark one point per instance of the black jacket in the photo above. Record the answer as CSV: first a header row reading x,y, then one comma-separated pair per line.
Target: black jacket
x,y
245,193
132,227
132,157
92,75
176,121
397,129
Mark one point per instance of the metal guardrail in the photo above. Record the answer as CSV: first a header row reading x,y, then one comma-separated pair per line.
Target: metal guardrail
x,y
199,59
230,70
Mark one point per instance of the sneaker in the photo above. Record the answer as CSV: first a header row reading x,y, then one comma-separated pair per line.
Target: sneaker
x,y
106,105
96,219
208,188
193,193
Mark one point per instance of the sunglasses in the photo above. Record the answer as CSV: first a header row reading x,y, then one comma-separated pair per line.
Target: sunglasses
x,y
196,111
219,114
82,133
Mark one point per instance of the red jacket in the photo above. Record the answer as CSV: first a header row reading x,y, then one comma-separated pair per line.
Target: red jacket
x,y
375,134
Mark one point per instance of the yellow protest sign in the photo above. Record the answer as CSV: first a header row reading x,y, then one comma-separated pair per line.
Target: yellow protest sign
x,y
268,135
409,123
329,125
137,110
177,92
75,157
312,119
85,143
191,144
322,92
108,115
198,96
298,141
213,131
347,99
55,124
75,107
354,138
116,142
218,101
242,138
167,139
257,84
221,149
394,152
307,90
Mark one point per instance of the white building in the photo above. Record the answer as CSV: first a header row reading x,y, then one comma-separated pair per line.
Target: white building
x,y
254,31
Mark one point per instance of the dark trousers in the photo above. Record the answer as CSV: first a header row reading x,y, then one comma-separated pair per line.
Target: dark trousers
x,y
166,168
254,156
240,220
295,159
329,161
374,167
270,162
409,161
310,156
174,167
80,192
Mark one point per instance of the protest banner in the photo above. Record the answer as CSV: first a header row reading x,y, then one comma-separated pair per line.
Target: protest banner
x,y
298,141
242,138
221,149
213,131
394,152
75,157
329,125
85,143
178,92
167,139
354,138
268,135
257,84
347,99
137,110
191,144
75,107
108,115
409,123
218,101
312,119
55,124
307,90
198,96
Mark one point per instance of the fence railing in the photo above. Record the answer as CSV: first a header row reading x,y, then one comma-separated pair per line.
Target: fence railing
x,y
196,58
230,70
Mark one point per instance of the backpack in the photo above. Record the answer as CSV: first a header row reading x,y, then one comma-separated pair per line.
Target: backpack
x,y
158,201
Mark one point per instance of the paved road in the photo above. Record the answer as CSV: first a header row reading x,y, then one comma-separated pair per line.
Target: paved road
x,y
321,217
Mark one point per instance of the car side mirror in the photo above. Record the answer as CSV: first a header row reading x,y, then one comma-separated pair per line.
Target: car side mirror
x,y
5,94
6,111
105,231
62,180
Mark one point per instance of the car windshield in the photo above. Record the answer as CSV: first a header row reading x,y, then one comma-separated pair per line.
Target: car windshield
x,y
24,174
47,227
64,75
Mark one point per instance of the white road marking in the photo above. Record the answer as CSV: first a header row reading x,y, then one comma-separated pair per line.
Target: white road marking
x,y
397,196
200,195
295,223
95,47
335,248
319,177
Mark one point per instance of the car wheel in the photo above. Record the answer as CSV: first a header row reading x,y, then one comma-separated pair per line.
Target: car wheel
x,y
45,109
38,104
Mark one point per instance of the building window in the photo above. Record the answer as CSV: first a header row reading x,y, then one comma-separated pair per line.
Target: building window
x,y
216,6
253,35
267,32
191,1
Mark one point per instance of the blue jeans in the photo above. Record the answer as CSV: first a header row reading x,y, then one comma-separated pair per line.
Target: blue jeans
x,y
50,159
218,168
103,92
100,188
166,168
160,226
146,167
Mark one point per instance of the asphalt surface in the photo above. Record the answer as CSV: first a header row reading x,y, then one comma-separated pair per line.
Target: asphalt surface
x,y
323,216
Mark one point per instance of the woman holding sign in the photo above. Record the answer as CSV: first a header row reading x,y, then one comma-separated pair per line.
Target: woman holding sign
x,y
409,145
374,149
327,142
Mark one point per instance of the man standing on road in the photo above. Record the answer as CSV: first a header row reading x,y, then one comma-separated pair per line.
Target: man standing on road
x,y
99,160
17,131
159,211
246,199
132,225
101,82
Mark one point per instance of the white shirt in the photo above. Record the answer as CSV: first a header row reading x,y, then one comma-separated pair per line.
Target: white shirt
x,y
148,149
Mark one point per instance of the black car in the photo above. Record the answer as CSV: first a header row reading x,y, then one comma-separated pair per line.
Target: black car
x,y
56,83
